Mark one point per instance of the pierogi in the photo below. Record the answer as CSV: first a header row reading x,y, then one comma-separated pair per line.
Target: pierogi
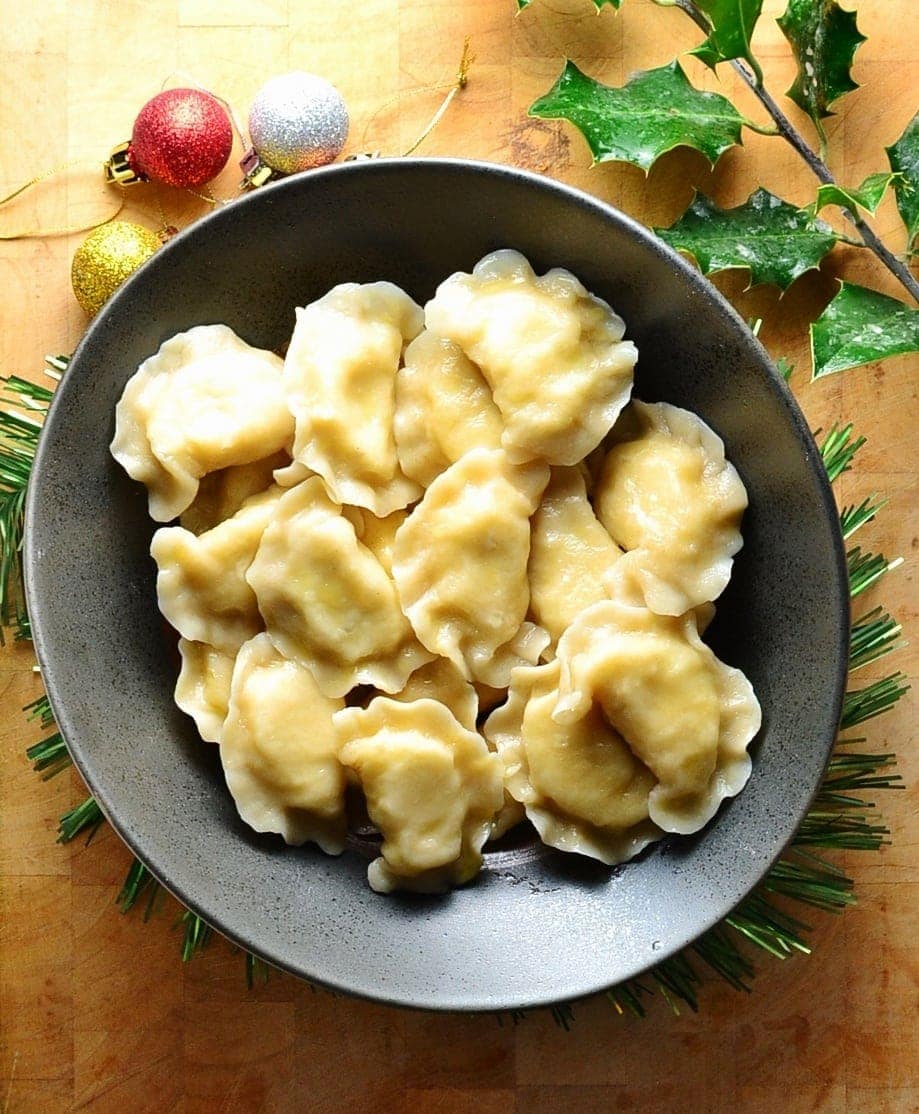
x,y
581,786
279,750
552,353
459,562
201,584
340,375
203,688
432,789
206,400
444,408
686,715
668,496
435,575
325,599
570,554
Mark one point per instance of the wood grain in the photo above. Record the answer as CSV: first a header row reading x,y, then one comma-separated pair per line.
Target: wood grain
x,y
97,1011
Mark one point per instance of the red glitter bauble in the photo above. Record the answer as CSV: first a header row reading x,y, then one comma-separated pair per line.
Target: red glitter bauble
x,y
182,137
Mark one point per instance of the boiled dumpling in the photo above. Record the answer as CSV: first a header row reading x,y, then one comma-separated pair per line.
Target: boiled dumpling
x,y
280,750
201,584
432,788
441,680
444,408
460,561
570,553
326,600
668,496
221,494
686,715
583,789
552,353
339,375
205,401
203,688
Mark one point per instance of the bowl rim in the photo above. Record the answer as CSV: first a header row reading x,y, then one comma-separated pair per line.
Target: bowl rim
x,y
87,768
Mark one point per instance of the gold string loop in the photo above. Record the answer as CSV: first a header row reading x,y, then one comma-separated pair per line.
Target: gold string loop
x,y
64,230
453,87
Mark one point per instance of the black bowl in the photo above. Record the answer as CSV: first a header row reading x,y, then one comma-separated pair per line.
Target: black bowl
x,y
536,927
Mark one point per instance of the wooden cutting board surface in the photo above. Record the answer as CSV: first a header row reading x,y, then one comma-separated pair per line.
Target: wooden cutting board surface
x,y
97,1011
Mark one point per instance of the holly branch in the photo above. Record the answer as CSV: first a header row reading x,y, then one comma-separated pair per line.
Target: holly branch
x,y
657,110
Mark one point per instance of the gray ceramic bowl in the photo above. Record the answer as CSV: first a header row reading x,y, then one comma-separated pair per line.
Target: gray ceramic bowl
x,y
536,927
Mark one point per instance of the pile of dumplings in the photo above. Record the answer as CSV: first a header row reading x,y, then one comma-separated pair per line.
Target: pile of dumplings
x,y
434,572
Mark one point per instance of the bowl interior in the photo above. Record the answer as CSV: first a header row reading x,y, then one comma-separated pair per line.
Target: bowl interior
x,y
537,926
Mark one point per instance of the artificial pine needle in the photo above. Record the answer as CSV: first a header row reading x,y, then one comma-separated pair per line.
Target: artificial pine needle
x,y
196,935
40,709
138,881
873,636
859,705
854,517
86,817
626,998
838,450
19,430
866,569
717,950
258,969
49,756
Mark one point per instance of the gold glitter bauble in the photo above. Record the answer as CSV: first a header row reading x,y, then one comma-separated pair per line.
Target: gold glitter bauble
x,y
106,258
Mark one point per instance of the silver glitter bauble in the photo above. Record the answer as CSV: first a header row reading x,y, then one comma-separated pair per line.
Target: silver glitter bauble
x,y
298,121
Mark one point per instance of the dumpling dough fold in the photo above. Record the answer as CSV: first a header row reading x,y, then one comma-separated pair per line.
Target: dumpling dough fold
x,y
444,408
326,601
582,788
460,562
552,353
203,687
339,375
668,496
205,401
570,553
686,715
280,750
432,789
201,584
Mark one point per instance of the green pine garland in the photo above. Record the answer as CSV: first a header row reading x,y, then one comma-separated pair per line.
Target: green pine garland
x,y
841,818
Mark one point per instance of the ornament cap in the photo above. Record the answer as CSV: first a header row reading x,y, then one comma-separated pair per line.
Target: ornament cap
x,y
119,167
255,172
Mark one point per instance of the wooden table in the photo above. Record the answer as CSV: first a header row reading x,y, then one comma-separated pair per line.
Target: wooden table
x,y
97,1011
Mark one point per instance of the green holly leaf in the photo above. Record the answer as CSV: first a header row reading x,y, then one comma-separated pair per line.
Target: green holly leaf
x,y
867,196
638,122
732,23
767,235
859,326
824,39
904,160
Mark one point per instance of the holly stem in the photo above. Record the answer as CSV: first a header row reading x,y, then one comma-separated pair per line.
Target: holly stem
x,y
787,130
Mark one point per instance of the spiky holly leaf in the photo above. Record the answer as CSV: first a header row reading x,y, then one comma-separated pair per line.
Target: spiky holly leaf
x,y
638,122
767,235
867,196
859,326
732,23
904,160
823,39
